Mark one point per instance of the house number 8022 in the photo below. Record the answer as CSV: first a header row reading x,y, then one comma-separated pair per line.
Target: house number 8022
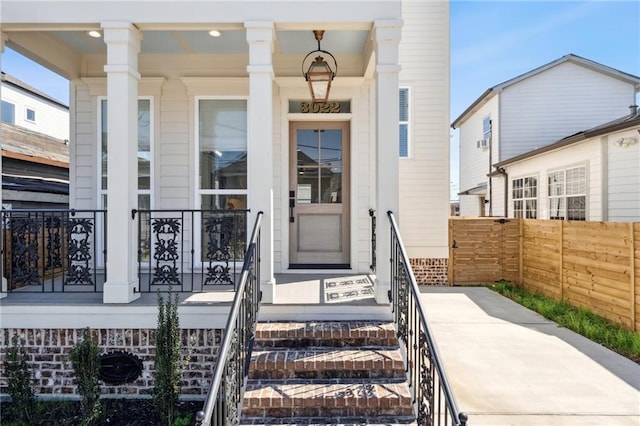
x,y
326,108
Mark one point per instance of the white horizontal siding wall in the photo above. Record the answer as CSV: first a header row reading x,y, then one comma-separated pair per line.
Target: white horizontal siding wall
x,y
51,119
474,161
83,153
556,103
587,153
623,178
424,177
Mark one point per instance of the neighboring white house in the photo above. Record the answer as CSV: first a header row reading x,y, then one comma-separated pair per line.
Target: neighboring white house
x,y
529,112
35,151
28,107
590,175
193,105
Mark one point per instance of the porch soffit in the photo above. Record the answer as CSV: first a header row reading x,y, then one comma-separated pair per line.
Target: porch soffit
x,y
65,51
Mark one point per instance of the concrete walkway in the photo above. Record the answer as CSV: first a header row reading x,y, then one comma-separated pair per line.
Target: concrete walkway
x,y
510,366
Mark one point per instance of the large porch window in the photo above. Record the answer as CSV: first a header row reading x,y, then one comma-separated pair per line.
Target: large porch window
x,y
145,159
222,154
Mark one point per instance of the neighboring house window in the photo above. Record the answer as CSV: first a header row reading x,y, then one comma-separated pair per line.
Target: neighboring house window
x,y
222,153
567,190
30,115
486,129
525,197
404,122
8,112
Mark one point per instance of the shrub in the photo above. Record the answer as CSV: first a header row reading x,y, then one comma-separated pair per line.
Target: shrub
x,y
19,381
86,364
168,366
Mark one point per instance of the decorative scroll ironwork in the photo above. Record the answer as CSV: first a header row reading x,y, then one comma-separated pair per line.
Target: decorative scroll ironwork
x,y
24,251
426,391
166,232
54,242
80,231
231,376
219,231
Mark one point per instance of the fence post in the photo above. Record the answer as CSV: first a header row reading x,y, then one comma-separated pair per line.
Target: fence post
x,y
521,254
561,266
632,260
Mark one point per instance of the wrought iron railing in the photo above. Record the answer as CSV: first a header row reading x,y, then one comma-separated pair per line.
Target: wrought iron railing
x,y
433,398
224,401
49,251
190,250
372,215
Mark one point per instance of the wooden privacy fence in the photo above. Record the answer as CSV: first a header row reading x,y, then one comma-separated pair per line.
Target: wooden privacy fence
x,y
590,264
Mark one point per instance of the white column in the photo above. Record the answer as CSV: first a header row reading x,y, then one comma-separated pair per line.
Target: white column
x,y
387,40
3,289
260,36
123,46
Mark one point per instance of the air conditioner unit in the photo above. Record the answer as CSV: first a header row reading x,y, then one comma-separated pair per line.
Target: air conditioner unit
x,y
482,143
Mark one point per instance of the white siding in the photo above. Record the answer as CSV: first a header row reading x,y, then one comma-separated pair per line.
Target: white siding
x,y
587,153
424,178
623,182
83,171
474,161
51,118
556,103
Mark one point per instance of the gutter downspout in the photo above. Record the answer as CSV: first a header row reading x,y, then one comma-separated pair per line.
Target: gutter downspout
x,y
505,176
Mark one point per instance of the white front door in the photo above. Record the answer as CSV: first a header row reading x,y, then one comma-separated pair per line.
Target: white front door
x,y
319,195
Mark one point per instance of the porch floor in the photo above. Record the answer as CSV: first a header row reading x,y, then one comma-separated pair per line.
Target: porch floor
x,y
290,289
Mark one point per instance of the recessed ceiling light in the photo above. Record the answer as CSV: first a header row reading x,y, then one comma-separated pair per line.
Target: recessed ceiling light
x,y
94,34
214,33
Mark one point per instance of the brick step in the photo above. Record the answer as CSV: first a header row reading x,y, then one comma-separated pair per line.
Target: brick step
x,y
325,333
333,400
325,363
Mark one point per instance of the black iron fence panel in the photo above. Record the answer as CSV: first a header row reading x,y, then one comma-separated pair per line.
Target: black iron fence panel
x,y
433,398
54,250
190,250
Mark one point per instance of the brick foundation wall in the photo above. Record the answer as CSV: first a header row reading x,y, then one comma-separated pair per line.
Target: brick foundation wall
x,y
430,271
48,358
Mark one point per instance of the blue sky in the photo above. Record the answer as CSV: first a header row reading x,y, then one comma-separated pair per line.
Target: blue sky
x,y
491,42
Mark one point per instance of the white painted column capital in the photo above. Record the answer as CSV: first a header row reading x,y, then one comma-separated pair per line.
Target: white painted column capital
x,y
123,46
387,43
261,36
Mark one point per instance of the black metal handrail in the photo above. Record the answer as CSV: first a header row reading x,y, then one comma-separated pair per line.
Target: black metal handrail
x,y
190,250
224,400
432,395
54,250
372,215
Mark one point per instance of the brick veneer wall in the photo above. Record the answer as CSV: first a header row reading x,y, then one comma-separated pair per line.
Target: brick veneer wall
x,y
430,271
48,358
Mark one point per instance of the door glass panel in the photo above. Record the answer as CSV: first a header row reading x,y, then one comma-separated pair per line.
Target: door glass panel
x,y
319,166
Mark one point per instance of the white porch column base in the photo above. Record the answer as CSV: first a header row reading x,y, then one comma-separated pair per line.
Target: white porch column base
x,y
387,39
260,36
120,292
123,45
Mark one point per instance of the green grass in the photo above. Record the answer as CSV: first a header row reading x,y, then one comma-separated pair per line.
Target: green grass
x,y
581,320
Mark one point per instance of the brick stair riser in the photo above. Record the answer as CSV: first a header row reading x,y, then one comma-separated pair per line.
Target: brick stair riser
x,y
322,364
336,372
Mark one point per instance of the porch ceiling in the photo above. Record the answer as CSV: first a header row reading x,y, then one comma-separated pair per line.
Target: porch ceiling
x,y
63,50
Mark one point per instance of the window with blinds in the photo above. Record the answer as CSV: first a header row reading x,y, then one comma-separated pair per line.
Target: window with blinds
x,y
404,149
